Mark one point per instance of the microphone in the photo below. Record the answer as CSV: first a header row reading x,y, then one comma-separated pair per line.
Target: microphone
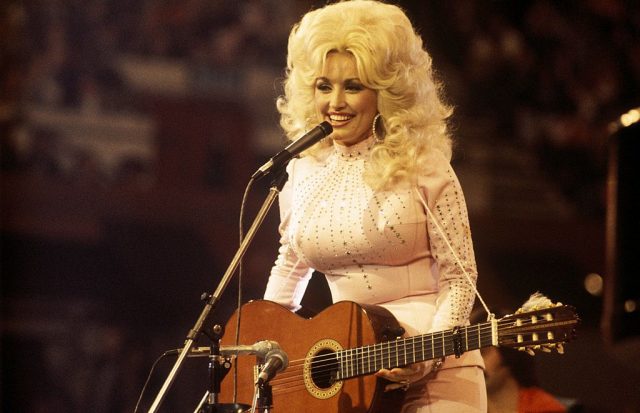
x,y
195,352
260,349
276,361
293,149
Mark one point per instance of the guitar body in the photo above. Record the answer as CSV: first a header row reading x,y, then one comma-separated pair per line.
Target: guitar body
x,y
303,387
333,356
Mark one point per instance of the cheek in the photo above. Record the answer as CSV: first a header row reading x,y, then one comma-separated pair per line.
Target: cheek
x,y
369,103
320,102
321,107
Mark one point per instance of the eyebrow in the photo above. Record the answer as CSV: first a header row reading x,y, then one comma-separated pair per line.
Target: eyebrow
x,y
352,79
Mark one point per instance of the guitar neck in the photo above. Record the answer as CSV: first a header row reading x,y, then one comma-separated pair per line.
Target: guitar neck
x,y
403,351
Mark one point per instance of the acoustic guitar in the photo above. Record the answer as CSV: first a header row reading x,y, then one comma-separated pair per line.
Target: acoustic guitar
x,y
333,355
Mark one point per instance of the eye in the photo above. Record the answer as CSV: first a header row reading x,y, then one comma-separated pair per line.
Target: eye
x,y
323,86
354,86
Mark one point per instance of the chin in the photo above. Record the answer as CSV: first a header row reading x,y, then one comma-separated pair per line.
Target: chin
x,y
340,138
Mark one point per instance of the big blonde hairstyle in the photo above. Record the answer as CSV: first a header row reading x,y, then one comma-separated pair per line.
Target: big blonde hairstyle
x,y
391,60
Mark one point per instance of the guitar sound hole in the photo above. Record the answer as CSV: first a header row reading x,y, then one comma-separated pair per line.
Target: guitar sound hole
x,y
324,368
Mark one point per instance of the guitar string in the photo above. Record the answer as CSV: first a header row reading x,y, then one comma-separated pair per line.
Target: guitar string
x,y
405,348
437,338
295,374
355,362
293,378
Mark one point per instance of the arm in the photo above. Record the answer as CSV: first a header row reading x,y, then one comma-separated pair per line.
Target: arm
x,y
452,248
289,276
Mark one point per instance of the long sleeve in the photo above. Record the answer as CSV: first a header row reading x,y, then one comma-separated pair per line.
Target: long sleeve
x,y
289,276
449,232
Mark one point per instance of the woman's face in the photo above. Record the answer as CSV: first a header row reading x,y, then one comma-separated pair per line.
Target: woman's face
x,y
342,100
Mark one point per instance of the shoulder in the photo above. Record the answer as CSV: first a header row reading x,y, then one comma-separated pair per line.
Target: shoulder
x,y
434,162
434,167
436,177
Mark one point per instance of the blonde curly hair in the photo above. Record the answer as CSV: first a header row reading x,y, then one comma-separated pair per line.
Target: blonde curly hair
x,y
391,60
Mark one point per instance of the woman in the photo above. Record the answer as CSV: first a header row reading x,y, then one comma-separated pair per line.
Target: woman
x,y
376,206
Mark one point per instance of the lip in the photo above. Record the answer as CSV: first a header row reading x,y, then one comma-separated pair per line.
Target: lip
x,y
339,119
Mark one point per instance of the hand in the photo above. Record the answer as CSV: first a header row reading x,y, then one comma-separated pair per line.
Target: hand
x,y
403,377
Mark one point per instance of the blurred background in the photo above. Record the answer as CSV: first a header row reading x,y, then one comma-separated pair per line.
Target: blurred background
x,y
128,131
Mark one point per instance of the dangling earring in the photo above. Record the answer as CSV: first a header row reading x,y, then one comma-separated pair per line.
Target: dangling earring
x,y
373,129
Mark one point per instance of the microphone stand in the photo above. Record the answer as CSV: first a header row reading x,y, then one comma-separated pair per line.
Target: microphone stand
x,y
212,300
265,401
218,369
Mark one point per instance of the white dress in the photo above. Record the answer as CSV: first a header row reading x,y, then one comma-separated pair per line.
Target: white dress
x,y
380,247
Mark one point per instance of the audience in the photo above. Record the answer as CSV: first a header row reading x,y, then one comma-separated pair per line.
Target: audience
x,y
550,76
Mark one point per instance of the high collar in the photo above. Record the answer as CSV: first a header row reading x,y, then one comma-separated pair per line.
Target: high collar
x,y
360,150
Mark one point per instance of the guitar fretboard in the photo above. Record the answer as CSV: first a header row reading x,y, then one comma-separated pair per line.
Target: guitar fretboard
x,y
403,351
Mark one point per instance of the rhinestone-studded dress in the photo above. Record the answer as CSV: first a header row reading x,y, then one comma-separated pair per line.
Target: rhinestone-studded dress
x,y
376,247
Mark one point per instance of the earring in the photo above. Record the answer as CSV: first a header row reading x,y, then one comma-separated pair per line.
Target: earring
x,y
373,129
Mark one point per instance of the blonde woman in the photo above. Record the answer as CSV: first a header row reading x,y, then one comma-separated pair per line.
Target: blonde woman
x,y
376,206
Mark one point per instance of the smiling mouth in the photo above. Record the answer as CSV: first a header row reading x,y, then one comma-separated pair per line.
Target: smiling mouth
x,y
340,118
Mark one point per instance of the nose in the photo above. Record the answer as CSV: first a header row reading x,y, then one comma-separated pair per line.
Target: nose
x,y
337,100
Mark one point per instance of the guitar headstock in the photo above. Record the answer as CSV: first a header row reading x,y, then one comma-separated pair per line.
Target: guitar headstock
x,y
538,325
